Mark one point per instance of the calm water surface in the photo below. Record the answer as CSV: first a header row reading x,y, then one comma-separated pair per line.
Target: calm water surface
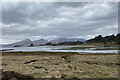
x,y
56,49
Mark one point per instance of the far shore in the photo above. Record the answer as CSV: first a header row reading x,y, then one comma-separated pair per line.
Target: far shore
x,y
18,53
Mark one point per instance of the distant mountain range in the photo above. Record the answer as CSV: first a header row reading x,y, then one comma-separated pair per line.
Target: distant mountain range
x,y
28,42
40,41
97,39
22,43
67,40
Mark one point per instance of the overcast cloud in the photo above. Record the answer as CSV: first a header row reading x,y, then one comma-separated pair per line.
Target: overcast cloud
x,y
52,20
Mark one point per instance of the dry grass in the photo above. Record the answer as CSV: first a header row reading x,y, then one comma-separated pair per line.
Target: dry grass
x,y
49,64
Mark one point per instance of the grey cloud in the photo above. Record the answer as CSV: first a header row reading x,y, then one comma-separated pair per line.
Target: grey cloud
x,y
56,20
23,12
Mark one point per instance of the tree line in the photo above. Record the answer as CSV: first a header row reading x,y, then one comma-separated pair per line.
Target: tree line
x,y
66,43
100,39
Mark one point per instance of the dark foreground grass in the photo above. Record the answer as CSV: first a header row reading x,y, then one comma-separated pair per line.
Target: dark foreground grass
x,y
11,75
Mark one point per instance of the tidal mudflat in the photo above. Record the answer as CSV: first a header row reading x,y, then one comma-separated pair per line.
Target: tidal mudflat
x,y
41,64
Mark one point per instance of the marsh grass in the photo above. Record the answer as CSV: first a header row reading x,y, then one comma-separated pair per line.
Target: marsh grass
x,y
51,64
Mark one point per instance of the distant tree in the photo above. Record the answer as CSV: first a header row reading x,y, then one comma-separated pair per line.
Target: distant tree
x,y
110,38
48,43
98,39
16,46
31,45
117,39
104,40
79,42
70,43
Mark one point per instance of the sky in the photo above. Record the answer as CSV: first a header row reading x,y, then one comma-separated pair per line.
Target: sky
x,y
53,20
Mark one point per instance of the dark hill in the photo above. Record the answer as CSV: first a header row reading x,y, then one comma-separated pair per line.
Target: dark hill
x,y
100,39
